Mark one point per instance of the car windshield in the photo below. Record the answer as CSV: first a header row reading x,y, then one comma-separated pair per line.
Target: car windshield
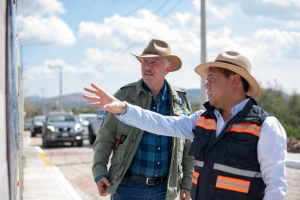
x,y
61,118
39,119
87,118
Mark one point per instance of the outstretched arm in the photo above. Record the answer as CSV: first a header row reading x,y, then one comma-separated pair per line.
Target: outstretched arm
x,y
104,100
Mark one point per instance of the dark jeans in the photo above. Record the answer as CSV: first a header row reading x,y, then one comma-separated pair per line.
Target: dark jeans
x,y
133,190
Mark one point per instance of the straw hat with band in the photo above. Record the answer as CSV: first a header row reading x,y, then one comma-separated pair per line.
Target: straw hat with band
x,y
235,62
159,48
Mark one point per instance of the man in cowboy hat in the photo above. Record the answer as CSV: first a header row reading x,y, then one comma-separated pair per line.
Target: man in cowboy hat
x,y
239,149
145,165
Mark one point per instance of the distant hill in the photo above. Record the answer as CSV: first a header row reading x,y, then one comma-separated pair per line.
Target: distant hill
x,y
76,100
193,95
68,101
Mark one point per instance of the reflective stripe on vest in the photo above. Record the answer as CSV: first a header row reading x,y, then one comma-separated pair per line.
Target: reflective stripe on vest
x,y
236,171
245,127
205,123
233,184
198,163
195,177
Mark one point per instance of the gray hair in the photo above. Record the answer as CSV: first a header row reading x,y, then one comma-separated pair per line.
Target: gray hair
x,y
167,63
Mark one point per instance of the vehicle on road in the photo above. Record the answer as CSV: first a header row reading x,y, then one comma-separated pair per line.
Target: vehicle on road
x,y
61,127
37,125
95,125
27,124
85,119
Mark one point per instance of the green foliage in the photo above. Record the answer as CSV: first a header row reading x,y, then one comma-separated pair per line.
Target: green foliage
x,y
285,108
77,111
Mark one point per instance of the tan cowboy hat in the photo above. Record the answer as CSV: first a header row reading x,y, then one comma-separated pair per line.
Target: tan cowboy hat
x,y
159,48
235,62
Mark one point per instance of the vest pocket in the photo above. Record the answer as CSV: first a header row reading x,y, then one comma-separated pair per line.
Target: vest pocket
x,y
239,150
198,145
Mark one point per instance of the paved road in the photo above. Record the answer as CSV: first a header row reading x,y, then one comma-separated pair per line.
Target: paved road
x,y
75,164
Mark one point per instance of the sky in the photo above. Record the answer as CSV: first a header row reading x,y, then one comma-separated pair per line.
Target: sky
x,y
92,41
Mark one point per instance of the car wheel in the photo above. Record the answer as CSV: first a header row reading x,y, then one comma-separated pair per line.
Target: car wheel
x,y
92,137
33,134
45,143
79,143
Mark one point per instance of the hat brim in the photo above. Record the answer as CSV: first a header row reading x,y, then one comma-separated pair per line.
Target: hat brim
x,y
174,60
254,88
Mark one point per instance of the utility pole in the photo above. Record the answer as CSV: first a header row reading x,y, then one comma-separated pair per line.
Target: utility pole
x,y
203,97
60,86
22,59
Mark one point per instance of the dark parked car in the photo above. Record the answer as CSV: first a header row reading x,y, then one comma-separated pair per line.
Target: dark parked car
x,y
62,127
37,125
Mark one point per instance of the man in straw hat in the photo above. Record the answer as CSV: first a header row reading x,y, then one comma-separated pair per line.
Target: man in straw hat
x,y
239,149
145,165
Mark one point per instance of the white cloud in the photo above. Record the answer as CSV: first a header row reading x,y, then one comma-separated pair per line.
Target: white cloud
x,y
182,18
293,24
283,2
121,32
196,3
260,47
60,63
34,29
45,71
216,11
40,7
253,28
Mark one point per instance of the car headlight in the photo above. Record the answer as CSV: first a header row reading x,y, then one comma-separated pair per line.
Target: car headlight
x,y
77,127
51,128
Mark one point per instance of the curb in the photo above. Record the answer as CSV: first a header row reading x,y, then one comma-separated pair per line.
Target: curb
x,y
43,156
292,164
65,183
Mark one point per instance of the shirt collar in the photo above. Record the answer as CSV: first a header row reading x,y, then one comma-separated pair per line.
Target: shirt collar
x,y
234,110
162,93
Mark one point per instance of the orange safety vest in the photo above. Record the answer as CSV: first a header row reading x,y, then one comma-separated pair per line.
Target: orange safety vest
x,y
227,167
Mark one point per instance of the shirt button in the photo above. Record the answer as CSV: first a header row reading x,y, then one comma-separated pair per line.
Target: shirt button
x,y
153,107
158,163
158,148
155,175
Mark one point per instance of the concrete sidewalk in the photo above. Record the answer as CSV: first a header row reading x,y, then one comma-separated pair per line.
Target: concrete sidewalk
x,y
42,180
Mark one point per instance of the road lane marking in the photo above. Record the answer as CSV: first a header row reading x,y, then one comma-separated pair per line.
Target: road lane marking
x,y
43,156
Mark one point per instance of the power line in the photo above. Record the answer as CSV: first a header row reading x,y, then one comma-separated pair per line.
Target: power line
x,y
107,63
119,49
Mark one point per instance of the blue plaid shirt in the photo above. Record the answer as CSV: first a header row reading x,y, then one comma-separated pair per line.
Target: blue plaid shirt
x,y
153,156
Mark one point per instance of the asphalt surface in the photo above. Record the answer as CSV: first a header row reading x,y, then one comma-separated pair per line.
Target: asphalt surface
x,y
69,168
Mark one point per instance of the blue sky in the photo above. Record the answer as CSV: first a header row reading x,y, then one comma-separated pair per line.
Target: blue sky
x,y
92,40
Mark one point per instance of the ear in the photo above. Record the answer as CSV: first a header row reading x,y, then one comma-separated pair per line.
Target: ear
x,y
236,80
168,68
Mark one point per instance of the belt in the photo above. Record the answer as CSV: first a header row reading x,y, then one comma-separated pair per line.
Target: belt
x,y
148,181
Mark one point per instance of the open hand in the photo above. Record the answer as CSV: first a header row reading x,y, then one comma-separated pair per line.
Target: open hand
x,y
104,100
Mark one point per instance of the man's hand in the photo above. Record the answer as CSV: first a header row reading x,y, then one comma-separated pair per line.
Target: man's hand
x,y
104,100
185,195
102,185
